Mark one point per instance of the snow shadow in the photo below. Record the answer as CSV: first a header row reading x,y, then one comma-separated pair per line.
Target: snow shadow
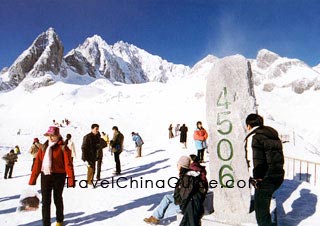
x,y
153,200
67,219
10,210
303,206
3,199
302,177
139,171
154,152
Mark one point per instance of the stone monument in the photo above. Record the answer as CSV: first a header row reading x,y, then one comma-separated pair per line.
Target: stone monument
x,y
230,98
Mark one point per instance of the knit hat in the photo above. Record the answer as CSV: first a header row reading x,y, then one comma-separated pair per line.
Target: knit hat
x,y
53,130
35,140
184,162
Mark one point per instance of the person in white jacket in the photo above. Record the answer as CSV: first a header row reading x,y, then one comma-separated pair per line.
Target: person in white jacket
x,y
71,146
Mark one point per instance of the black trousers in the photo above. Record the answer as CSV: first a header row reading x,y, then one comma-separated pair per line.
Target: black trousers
x,y
54,182
99,163
201,154
262,199
117,160
8,169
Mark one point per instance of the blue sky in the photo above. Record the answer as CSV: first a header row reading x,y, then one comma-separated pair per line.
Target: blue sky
x,y
178,31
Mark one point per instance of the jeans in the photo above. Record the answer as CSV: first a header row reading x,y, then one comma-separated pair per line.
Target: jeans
x,y
201,154
54,182
166,208
262,199
139,149
8,169
117,160
99,163
90,173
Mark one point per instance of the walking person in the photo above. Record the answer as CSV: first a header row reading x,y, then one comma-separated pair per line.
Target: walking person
x,y
10,159
200,136
177,130
69,142
139,142
170,131
54,162
34,149
117,147
183,135
265,160
90,146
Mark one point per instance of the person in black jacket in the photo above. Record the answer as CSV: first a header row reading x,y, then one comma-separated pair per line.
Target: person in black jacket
x,y
90,147
116,147
265,162
188,194
183,135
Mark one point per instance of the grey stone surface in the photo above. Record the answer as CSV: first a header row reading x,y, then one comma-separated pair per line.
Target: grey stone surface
x,y
230,98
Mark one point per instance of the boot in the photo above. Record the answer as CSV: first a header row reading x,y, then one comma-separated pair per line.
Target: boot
x,y
59,224
151,220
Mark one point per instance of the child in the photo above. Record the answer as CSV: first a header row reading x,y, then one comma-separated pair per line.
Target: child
x,y
10,159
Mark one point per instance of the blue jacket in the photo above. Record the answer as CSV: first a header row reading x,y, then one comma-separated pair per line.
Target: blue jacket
x,y
137,139
200,137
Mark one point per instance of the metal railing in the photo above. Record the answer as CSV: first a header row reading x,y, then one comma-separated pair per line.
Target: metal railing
x,y
302,170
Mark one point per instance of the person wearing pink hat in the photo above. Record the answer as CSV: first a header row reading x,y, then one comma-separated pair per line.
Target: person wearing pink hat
x,y
54,162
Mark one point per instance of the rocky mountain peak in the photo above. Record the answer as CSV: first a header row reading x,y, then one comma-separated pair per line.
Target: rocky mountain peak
x,y
265,58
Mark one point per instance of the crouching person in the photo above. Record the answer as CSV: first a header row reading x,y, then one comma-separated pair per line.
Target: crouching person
x,y
189,193
54,162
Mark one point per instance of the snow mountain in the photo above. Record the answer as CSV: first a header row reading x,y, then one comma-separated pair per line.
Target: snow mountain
x,y
273,71
43,63
44,55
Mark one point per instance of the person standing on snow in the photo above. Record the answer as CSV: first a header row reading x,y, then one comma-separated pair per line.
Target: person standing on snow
x,y
170,131
34,149
10,159
90,147
54,162
183,135
139,142
200,136
265,161
117,147
71,146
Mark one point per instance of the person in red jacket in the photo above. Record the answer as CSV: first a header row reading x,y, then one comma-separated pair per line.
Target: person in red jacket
x,y
54,162
200,136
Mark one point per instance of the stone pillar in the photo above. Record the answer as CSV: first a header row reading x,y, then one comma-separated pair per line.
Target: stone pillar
x,y
230,98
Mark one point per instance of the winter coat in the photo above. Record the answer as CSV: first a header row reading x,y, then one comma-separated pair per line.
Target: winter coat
x,y
34,149
267,156
137,139
117,142
71,146
102,145
200,137
188,196
183,134
90,147
196,166
10,158
61,162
